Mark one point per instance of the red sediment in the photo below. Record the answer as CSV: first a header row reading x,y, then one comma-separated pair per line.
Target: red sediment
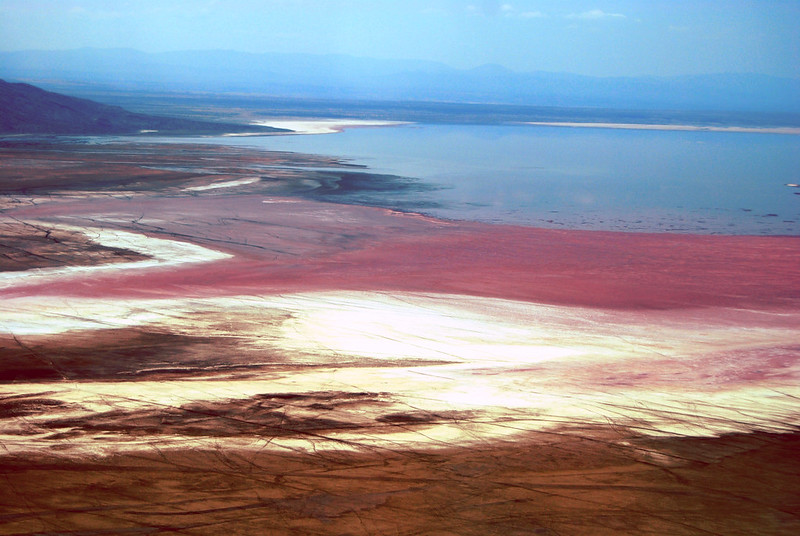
x,y
306,246
604,269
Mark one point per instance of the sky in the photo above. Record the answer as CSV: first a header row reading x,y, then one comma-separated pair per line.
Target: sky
x,y
598,37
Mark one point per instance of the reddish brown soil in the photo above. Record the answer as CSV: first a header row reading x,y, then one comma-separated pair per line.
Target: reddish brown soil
x,y
581,482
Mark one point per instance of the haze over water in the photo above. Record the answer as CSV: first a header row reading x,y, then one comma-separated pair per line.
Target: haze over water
x,y
581,178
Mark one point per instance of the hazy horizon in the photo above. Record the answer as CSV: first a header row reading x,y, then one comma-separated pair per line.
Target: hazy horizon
x,y
603,38
389,60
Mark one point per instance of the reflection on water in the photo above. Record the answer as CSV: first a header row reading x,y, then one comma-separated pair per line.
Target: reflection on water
x,y
707,182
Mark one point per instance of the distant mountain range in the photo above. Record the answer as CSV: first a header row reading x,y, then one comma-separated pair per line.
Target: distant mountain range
x,y
345,77
26,109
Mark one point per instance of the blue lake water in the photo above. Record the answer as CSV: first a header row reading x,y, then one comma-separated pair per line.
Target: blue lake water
x,y
587,178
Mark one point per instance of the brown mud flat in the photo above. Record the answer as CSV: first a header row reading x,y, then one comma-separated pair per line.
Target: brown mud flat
x,y
114,354
25,245
46,167
582,482
578,479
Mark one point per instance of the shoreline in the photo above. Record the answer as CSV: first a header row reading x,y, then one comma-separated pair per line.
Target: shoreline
x,y
666,127
328,366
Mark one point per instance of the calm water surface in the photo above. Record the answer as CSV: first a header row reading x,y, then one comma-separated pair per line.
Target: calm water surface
x,y
707,182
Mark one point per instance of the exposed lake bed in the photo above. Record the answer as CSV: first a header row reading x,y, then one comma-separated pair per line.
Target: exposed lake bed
x,y
358,361
426,268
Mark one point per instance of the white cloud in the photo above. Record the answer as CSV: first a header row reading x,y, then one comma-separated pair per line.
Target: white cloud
x,y
532,15
490,8
595,14
508,10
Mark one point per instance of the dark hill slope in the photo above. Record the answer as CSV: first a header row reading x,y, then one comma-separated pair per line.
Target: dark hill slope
x,y
27,109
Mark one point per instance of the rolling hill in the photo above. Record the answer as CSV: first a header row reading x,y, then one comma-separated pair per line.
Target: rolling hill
x,y
27,109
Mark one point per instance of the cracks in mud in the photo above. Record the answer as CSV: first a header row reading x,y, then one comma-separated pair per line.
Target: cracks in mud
x,y
547,484
116,354
25,245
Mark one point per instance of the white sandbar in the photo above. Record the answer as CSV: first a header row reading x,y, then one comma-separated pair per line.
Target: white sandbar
x,y
691,128
226,184
324,126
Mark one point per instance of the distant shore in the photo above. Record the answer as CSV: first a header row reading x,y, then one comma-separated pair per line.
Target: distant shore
x,y
691,128
323,126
